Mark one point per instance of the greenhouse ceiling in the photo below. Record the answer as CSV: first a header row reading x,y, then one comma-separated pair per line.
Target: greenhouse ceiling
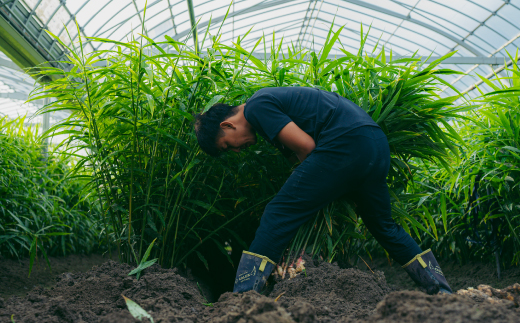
x,y
481,31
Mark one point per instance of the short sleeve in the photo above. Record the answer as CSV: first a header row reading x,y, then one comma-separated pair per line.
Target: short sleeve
x,y
263,112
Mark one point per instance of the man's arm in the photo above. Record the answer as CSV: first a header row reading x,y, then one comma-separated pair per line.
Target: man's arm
x,y
294,138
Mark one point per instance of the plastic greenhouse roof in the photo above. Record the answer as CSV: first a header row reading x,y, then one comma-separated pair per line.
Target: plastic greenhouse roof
x,y
479,30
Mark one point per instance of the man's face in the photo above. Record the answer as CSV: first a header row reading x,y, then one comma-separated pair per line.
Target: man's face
x,y
236,137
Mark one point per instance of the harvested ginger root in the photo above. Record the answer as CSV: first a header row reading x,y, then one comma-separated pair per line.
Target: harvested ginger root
x,y
292,270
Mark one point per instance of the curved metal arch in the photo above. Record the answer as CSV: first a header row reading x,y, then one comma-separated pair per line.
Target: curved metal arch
x,y
414,21
433,19
418,12
292,23
202,25
252,24
349,46
372,38
513,5
71,17
260,7
97,32
120,24
128,33
236,13
171,14
481,23
450,8
245,11
422,46
510,41
391,23
248,41
382,30
95,14
401,23
352,30
163,21
405,28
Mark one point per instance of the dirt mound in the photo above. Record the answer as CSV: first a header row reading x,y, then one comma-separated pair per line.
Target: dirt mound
x,y
459,276
486,293
14,280
334,292
324,293
413,306
88,297
253,307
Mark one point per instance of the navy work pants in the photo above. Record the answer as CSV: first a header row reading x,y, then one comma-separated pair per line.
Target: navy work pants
x,y
356,164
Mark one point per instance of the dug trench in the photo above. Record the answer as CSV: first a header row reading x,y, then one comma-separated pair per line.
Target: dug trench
x,y
323,293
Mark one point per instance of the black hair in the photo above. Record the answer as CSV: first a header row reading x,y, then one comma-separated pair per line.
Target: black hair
x,y
207,126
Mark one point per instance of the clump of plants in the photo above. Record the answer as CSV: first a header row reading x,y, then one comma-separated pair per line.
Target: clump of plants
x,y
132,108
41,208
475,204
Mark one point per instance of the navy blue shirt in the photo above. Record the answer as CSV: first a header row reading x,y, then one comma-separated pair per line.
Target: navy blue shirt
x,y
325,116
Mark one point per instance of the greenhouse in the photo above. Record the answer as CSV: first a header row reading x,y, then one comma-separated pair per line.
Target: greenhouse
x,y
259,161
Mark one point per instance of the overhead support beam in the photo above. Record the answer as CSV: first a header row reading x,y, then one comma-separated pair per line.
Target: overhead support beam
x,y
475,66
193,26
471,60
449,60
490,75
18,49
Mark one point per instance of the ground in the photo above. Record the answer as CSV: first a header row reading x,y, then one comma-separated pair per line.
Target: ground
x,y
325,293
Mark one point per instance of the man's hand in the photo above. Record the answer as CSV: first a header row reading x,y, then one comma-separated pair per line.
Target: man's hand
x,y
294,138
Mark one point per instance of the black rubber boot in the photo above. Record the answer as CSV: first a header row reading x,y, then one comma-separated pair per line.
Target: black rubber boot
x,y
425,272
252,273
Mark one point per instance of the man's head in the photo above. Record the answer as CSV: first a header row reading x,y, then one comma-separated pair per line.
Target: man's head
x,y
222,128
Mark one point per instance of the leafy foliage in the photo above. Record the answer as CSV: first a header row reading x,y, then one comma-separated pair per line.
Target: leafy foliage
x,y
132,111
479,200
40,208
137,311
145,263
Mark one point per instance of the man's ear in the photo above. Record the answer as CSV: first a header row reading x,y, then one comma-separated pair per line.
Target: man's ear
x,y
227,125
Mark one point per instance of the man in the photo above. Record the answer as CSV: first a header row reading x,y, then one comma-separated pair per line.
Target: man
x,y
341,150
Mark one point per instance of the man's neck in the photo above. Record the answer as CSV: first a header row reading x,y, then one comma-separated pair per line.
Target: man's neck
x,y
241,117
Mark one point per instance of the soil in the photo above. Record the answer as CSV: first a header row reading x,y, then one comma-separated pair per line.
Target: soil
x,y
324,293
14,274
458,276
333,292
